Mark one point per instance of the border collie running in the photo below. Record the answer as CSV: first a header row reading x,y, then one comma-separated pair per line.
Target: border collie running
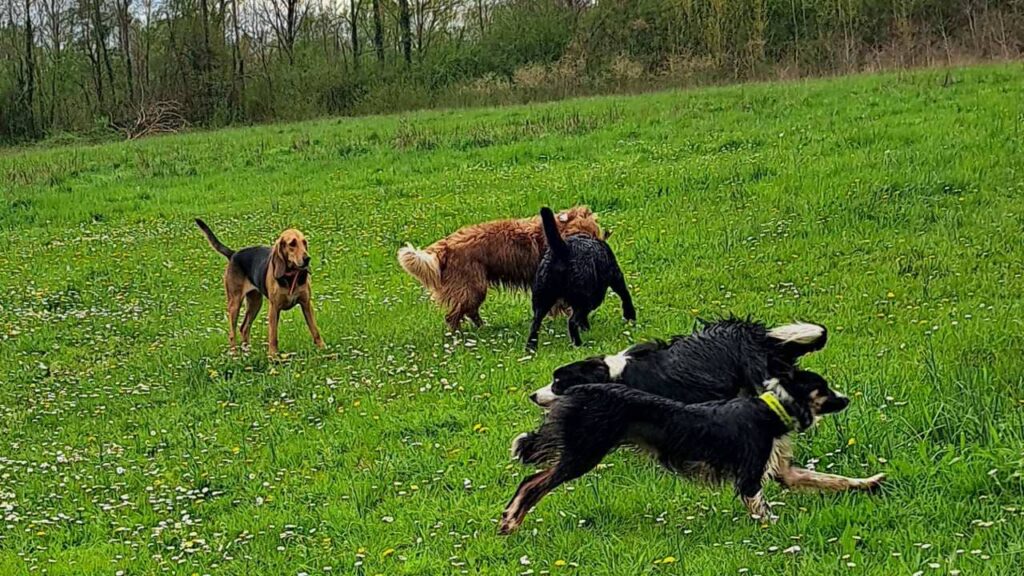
x,y
719,404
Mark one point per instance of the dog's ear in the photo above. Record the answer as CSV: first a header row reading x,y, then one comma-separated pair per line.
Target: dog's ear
x,y
278,266
796,340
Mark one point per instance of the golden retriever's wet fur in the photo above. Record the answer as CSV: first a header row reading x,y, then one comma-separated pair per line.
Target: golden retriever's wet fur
x,y
458,269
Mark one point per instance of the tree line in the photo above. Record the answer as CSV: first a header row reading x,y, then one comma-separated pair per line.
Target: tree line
x,y
144,66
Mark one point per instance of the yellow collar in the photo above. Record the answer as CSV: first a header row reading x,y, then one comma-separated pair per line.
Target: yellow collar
x,y
773,403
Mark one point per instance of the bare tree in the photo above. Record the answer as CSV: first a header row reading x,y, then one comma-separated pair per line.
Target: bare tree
x,y
97,34
285,18
353,18
124,20
55,14
29,70
429,17
405,29
237,62
378,31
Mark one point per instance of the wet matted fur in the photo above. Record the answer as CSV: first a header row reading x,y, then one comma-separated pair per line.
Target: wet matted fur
x,y
738,439
457,270
721,360
577,270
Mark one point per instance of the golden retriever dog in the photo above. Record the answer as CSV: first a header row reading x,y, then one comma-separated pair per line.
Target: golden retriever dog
x,y
458,269
279,273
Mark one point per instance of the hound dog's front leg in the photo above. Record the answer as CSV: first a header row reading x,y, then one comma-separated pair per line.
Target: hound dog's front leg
x,y
307,312
274,315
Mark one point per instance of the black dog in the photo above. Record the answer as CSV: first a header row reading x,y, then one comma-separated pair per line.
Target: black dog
x,y
724,360
578,270
733,439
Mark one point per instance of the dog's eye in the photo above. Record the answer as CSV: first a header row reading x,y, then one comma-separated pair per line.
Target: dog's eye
x,y
304,243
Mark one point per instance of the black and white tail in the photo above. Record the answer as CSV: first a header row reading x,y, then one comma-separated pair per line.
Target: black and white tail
x,y
798,339
558,246
212,239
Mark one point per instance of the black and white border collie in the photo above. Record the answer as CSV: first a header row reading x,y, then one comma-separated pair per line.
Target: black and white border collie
x,y
733,439
722,360
694,402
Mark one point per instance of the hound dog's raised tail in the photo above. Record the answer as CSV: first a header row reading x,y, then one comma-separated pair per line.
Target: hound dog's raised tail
x,y
212,239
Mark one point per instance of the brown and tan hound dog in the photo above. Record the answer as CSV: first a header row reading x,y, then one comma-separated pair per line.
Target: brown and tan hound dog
x,y
280,273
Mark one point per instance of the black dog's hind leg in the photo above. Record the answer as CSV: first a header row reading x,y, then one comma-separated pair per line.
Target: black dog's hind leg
x,y
572,465
542,303
618,285
585,322
578,316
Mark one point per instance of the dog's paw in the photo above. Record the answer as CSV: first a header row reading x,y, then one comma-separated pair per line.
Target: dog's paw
x,y
320,343
765,517
507,525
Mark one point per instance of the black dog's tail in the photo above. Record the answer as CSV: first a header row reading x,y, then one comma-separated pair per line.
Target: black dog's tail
x,y
558,246
212,239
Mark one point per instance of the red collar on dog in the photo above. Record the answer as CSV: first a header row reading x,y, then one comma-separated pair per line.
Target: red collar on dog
x,y
294,276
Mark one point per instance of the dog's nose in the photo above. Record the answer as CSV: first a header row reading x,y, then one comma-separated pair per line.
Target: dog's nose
x,y
533,398
305,260
835,404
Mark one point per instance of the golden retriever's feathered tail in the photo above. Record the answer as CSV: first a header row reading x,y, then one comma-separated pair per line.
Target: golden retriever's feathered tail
x,y
421,265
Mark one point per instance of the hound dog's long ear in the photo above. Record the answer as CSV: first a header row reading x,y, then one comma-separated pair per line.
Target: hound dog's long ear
x,y
798,339
278,264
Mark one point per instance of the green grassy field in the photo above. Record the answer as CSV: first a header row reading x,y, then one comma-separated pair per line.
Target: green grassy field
x,y
890,208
